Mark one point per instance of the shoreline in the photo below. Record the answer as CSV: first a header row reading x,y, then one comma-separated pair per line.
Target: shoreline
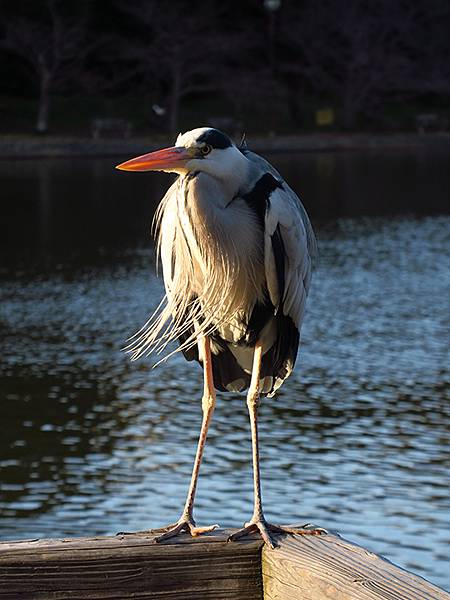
x,y
22,146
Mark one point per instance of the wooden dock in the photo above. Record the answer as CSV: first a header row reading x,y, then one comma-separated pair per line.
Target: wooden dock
x,y
204,568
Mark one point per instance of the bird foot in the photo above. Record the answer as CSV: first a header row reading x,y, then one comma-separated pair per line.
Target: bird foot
x,y
253,527
266,529
187,524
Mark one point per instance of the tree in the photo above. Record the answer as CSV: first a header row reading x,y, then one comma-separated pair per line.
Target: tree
x,y
178,48
361,53
52,43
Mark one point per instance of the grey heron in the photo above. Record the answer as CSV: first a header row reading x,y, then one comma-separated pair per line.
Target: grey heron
x,y
236,247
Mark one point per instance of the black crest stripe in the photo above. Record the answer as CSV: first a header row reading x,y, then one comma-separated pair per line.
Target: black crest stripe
x,y
215,139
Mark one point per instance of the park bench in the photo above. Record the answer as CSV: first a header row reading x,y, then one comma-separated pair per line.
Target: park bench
x,y
111,128
430,122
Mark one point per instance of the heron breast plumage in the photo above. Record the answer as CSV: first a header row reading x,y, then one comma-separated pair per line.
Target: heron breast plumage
x,y
221,244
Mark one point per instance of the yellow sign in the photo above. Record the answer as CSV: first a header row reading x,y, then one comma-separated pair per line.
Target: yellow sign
x,y
324,116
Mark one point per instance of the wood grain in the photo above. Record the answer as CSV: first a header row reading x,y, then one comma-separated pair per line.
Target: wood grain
x,y
203,568
132,566
327,566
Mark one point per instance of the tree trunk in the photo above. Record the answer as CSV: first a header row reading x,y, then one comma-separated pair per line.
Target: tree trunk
x,y
44,103
174,103
349,111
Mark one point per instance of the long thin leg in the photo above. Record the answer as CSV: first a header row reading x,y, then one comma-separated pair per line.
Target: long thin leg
x,y
253,405
208,405
258,521
186,521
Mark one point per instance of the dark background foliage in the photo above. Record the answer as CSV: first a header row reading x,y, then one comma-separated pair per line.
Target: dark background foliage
x,y
264,65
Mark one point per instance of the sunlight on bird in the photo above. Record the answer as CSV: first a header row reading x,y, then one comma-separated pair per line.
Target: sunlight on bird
x,y
236,248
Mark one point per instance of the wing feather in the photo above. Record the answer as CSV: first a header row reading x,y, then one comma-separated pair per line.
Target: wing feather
x,y
286,219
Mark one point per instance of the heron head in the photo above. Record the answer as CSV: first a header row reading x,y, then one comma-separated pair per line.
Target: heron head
x,y
202,149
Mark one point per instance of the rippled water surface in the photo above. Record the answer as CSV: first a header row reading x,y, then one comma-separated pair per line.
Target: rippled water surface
x,y
358,438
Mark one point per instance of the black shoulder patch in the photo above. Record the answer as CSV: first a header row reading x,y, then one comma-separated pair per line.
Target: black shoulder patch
x,y
258,197
215,139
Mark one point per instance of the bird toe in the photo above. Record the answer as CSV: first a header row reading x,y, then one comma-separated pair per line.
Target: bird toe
x,y
184,525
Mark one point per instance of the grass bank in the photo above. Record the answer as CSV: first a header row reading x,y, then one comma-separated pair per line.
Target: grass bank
x,y
29,146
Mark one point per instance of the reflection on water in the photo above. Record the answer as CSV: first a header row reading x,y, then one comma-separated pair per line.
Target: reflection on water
x,y
357,440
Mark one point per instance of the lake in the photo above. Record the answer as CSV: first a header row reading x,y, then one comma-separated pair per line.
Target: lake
x,y
357,440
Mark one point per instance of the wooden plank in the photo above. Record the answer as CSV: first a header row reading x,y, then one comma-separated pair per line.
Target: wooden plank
x,y
132,566
327,566
203,568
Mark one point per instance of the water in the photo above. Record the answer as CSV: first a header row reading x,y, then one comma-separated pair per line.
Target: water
x,y
358,438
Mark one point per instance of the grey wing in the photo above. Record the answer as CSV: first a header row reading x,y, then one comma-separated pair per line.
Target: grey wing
x,y
262,163
289,250
265,166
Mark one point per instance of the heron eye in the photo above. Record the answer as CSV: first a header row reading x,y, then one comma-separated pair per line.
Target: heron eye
x,y
206,149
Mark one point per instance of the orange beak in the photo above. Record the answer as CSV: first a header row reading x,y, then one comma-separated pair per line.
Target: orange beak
x,y
169,159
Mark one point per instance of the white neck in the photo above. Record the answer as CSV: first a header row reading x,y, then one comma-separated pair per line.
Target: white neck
x,y
228,167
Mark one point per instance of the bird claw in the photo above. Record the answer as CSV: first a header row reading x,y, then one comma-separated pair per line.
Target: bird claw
x,y
266,529
184,524
254,526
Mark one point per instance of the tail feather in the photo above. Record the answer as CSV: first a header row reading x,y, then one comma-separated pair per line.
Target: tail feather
x,y
277,362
